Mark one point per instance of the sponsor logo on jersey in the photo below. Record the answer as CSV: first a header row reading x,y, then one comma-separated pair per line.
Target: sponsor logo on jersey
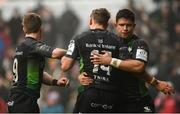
x,y
141,54
104,106
19,53
129,49
100,41
10,103
71,47
105,46
147,109
101,78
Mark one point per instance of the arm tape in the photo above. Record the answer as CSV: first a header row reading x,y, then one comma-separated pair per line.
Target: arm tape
x,y
115,62
154,81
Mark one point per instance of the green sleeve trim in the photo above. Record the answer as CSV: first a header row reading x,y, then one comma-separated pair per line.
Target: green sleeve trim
x,y
81,65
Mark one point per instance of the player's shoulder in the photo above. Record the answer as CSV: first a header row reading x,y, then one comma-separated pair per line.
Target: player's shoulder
x,y
112,35
31,43
89,33
138,40
82,35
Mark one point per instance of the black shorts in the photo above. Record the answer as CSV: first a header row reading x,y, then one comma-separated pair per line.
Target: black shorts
x,y
96,100
20,103
139,105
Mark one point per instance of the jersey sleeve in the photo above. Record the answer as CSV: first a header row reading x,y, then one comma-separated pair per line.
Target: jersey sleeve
x,y
140,51
72,51
42,49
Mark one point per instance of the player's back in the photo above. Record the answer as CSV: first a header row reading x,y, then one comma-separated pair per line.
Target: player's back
x,y
27,68
96,41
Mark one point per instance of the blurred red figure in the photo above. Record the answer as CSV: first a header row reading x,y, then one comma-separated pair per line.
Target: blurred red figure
x,y
3,106
169,105
165,104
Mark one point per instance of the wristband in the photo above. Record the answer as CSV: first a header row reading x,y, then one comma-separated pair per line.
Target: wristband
x,y
154,81
54,82
115,62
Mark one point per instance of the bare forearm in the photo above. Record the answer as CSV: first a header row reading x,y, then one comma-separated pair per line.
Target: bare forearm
x,y
66,63
47,78
129,65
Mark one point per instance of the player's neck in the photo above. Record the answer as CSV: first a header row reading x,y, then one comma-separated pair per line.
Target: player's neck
x,y
97,26
33,35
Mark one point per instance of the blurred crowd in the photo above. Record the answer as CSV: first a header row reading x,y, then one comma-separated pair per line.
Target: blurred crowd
x,y
160,28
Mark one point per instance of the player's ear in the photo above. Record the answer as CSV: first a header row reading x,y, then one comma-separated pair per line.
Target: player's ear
x,y
24,29
114,24
90,21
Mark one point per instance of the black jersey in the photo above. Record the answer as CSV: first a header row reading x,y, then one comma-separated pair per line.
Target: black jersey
x,y
28,66
94,41
137,49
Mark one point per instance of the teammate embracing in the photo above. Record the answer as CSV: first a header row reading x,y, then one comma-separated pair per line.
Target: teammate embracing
x,y
130,67
98,96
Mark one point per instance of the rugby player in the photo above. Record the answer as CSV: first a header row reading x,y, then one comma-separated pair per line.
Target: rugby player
x,y
98,96
133,57
28,68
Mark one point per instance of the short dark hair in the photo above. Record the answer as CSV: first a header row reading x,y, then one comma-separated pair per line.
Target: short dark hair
x,y
101,16
125,13
32,22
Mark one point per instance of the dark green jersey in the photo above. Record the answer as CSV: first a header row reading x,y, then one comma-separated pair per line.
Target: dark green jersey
x,y
94,41
28,66
137,49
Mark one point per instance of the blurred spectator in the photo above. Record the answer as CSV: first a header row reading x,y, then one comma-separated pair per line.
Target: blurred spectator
x,y
164,18
2,22
53,100
165,104
49,26
15,26
165,66
5,43
177,35
176,8
67,25
3,106
3,95
175,77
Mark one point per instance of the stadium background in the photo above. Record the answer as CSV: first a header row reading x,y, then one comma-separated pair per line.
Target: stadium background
x,y
158,22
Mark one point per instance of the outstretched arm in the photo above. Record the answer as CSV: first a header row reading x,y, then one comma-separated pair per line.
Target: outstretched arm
x,y
161,86
48,51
